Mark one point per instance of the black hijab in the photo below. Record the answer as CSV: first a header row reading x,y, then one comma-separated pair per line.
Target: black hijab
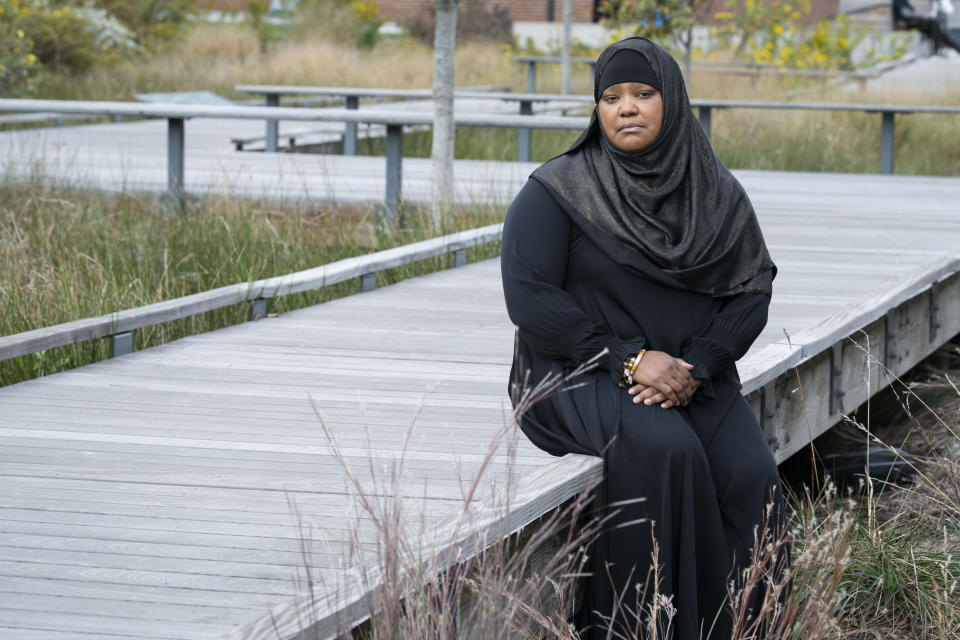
x,y
672,211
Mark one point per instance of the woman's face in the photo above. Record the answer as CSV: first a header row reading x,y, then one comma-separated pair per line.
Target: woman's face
x,y
631,114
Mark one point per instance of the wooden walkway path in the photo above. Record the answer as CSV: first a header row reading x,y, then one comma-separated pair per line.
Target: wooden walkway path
x,y
150,495
132,157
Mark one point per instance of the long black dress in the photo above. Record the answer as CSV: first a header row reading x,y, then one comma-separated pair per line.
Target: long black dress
x,y
705,469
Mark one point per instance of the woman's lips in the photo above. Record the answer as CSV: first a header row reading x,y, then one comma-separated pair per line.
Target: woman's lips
x,y
630,128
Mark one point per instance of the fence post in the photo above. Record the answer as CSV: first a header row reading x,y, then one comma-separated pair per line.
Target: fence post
x,y
350,131
459,257
886,143
523,133
258,309
704,115
122,344
394,170
273,100
531,76
175,145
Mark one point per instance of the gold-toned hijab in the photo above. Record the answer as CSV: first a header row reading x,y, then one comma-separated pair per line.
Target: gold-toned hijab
x,y
673,205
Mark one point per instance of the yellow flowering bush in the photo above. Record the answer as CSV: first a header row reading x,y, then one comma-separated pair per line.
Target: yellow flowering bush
x,y
18,64
349,21
772,32
73,36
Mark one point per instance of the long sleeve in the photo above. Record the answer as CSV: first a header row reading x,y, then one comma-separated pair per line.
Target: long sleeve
x,y
728,336
533,267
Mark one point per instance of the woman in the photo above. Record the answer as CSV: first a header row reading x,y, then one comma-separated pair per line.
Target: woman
x,y
639,244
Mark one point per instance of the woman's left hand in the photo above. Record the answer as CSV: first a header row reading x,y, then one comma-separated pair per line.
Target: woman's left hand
x,y
648,394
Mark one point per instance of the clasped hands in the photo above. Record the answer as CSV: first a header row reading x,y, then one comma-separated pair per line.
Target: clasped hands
x,y
662,378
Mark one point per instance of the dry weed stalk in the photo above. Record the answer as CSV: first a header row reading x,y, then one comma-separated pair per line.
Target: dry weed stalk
x,y
477,579
775,602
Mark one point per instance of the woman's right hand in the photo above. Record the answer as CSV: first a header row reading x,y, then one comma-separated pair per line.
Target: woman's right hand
x,y
668,375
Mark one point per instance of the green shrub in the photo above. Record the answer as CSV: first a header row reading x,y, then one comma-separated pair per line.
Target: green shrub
x,y
18,64
56,36
348,21
150,20
61,38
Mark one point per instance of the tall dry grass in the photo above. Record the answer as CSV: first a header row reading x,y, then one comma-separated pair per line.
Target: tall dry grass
x,y
67,254
864,563
217,57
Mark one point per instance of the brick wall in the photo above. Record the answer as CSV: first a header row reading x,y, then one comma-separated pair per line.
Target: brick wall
x,y
819,9
222,5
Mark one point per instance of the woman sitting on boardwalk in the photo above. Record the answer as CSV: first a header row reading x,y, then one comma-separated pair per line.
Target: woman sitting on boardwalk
x,y
639,242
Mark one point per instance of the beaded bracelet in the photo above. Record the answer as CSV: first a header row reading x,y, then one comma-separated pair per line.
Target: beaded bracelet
x,y
630,364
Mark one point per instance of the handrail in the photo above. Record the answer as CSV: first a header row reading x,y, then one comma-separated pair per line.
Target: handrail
x,y
256,292
720,68
394,120
372,116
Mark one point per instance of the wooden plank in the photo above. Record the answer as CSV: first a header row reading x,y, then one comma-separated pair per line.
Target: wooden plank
x,y
536,494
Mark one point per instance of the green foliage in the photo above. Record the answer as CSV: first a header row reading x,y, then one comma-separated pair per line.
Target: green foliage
x,y
657,20
773,33
61,38
151,20
257,11
18,64
74,37
348,21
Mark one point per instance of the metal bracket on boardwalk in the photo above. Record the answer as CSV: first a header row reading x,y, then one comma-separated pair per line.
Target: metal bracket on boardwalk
x,y
836,373
768,410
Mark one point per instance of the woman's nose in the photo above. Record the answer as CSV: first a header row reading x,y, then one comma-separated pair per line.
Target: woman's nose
x,y
628,107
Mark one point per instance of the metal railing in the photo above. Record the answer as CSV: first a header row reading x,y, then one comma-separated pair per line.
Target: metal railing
x,y
750,69
395,120
352,95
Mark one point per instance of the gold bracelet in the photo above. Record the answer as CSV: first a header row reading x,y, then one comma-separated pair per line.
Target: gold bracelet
x,y
636,360
630,364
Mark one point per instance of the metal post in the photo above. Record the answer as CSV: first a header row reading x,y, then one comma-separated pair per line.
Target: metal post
x,y
886,143
593,73
890,357
704,113
934,314
368,282
350,133
394,169
523,134
768,411
175,145
258,309
531,76
459,258
836,371
59,122
122,344
273,100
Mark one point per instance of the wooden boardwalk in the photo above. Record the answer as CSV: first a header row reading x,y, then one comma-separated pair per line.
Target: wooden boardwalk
x,y
132,157
153,495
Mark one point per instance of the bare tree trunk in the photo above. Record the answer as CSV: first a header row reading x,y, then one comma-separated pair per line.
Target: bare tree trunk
x,y
441,153
567,11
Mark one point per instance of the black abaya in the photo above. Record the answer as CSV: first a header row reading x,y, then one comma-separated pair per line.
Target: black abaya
x,y
704,470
